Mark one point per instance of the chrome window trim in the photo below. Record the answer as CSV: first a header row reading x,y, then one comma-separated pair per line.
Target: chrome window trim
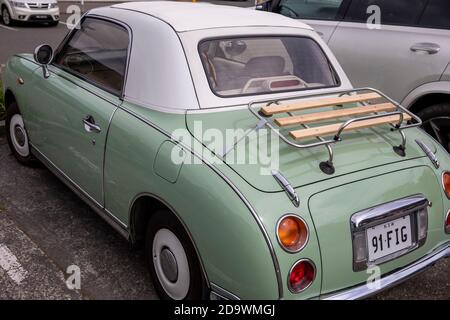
x,y
292,268
278,238
362,220
120,94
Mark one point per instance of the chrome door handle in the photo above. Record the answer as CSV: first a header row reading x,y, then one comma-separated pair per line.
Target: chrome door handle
x,y
430,48
90,126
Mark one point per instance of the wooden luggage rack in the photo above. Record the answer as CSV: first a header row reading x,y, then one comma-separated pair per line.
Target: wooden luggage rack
x,y
372,108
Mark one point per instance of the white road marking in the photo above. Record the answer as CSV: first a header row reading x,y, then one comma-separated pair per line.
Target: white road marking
x,y
63,23
11,265
9,28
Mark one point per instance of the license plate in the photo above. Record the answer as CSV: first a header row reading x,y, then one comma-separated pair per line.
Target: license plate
x,y
41,17
388,238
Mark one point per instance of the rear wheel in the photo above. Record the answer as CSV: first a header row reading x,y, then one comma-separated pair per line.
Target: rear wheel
x,y
436,122
6,17
17,136
172,259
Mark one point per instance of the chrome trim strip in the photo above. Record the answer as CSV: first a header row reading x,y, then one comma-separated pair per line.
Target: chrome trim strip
x,y
118,225
433,158
287,187
232,185
221,292
363,291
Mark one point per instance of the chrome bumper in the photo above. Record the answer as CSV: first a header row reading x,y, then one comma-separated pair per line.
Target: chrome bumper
x,y
363,291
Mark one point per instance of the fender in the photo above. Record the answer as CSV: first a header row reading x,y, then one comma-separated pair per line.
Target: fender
x,y
425,89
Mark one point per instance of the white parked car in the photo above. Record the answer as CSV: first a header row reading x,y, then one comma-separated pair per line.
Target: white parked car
x,y
407,58
30,11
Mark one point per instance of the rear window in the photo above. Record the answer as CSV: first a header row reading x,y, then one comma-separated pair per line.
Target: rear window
x,y
262,65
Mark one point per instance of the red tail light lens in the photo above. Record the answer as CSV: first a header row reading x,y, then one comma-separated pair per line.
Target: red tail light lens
x,y
301,276
447,223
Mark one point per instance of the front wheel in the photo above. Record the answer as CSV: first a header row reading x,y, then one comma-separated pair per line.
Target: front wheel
x,y
436,122
6,17
17,136
172,260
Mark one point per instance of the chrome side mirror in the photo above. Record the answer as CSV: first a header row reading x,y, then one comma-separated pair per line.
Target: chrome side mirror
x,y
43,55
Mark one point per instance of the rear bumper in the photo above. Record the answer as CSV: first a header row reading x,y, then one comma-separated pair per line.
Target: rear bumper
x,y
363,291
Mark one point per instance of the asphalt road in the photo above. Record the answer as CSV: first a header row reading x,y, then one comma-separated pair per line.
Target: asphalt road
x,y
45,228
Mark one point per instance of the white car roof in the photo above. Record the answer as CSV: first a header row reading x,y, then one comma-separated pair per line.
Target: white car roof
x,y
187,16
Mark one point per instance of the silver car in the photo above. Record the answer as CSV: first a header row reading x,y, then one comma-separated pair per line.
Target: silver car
x,y
406,55
29,11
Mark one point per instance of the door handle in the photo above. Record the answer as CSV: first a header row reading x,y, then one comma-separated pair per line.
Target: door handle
x,y
430,48
90,126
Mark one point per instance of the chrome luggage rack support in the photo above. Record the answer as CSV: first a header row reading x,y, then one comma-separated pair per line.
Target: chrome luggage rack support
x,y
327,166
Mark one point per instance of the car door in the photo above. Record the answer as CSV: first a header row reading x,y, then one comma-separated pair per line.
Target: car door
x,y
400,54
322,15
75,105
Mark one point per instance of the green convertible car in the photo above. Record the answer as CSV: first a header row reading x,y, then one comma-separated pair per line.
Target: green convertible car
x,y
232,144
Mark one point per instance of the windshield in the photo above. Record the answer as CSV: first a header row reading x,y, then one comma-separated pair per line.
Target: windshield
x,y
261,65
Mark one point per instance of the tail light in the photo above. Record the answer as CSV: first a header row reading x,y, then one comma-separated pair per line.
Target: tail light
x,y
447,223
292,233
301,276
446,183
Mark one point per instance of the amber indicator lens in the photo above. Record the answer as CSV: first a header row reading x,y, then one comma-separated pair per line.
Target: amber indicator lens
x,y
292,233
446,183
301,276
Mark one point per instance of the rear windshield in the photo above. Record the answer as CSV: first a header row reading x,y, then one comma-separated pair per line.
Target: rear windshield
x,y
261,65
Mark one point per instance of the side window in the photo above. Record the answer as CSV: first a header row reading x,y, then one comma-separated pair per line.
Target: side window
x,y
311,9
436,15
393,12
97,52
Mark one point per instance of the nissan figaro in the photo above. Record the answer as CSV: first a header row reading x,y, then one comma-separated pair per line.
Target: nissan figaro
x,y
231,144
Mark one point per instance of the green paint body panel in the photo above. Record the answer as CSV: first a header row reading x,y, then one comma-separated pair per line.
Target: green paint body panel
x,y
231,245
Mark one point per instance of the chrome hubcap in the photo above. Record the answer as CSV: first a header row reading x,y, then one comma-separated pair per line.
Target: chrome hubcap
x,y
19,135
169,265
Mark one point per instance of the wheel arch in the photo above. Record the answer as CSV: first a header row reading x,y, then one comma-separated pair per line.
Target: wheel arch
x,y
9,98
426,95
142,208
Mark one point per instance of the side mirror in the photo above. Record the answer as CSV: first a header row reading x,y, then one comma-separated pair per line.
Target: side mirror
x,y
43,55
263,5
